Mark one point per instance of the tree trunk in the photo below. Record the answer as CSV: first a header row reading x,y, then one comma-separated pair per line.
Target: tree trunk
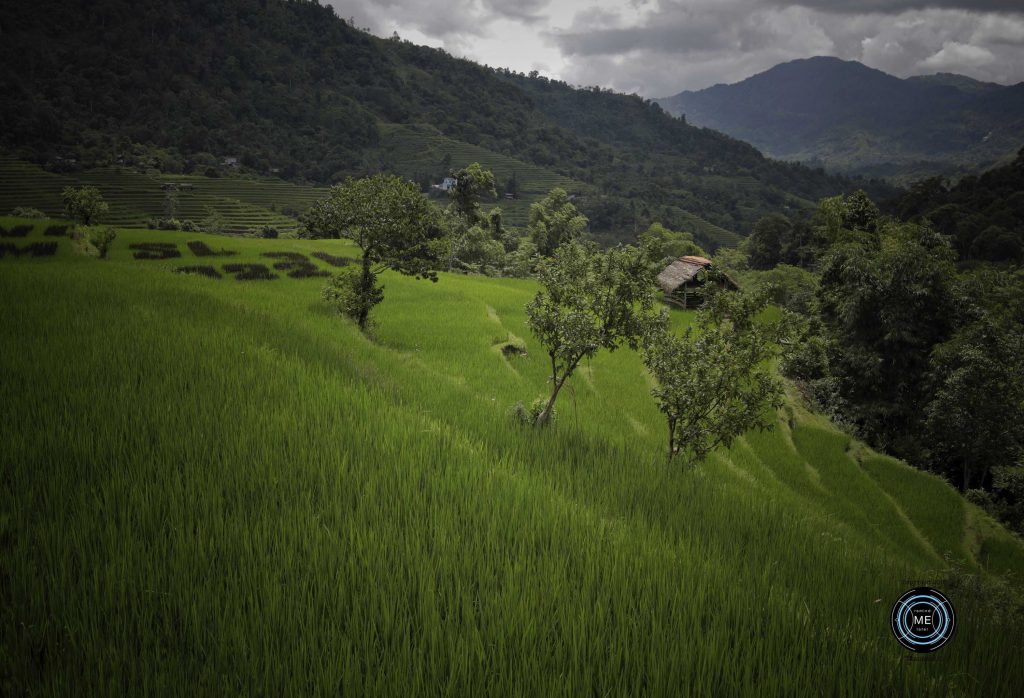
x,y
367,283
671,441
545,416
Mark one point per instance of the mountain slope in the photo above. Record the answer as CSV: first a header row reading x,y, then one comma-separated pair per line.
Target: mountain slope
x,y
289,87
855,118
276,504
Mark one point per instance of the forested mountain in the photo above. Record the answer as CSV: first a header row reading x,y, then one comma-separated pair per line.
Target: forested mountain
x,y
857,119
289,88
983,216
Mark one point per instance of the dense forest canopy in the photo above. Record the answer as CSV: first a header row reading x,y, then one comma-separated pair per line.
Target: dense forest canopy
x,y
289,88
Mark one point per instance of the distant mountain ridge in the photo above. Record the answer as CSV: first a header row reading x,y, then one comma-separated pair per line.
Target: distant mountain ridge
x,y
855,119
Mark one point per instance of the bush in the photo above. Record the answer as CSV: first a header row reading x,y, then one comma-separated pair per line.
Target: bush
x,y
269,232
163,224
155,250
249,272
102,240
18,231
36,249
201,249
189,227
27,212
202,270
333,260
527,416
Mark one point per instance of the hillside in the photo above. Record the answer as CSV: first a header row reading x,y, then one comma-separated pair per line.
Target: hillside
x,y
852,118
983,215
287,88
274,503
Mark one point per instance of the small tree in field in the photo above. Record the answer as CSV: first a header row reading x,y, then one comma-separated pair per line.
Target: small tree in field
x,y
715,381
590,301
102,240
394,226
84,205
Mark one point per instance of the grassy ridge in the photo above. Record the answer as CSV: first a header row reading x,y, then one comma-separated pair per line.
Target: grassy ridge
x,y
221,485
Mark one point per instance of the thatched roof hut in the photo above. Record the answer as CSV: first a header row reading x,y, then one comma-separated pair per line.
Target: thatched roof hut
x,y
683,280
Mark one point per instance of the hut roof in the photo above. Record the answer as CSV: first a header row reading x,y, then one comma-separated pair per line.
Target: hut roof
x,y
681,271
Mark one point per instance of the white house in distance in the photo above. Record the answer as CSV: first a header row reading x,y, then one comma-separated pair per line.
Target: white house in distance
x,y
447,184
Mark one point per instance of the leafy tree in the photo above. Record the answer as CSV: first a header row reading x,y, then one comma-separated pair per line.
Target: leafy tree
x,y
883,307
662,244
975,419
391,222
764,246
471,184
715,381
591,300
553,221
84,205
102,240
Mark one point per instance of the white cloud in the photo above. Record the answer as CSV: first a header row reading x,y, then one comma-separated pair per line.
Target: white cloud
x,y
954,55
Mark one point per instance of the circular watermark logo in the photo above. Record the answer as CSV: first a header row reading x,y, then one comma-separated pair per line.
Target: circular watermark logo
x,y
923,620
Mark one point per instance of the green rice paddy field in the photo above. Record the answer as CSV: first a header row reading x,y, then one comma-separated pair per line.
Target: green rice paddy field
x,y
218,487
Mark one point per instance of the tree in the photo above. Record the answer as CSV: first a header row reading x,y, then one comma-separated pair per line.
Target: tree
x,y
591,300
764,246
102,240
554,221
975,418
662,244
84,205
471,184
883,308
391,222
715,381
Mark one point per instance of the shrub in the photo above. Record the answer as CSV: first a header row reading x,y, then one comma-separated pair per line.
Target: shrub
x,y
155,250
333,260
18,231
527,416
189,227
269,232
163,224
249,272
201,269
36,249
201,249
102,240
27,212
56,231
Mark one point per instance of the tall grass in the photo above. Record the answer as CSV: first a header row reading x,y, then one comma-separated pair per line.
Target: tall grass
x,y
221,488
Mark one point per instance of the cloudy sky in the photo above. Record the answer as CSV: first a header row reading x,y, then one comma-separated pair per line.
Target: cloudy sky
x,y
659,47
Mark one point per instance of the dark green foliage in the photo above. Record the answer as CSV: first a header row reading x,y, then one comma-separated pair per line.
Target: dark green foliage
x,y
249,272
56,231
764,246
18,231
472,183
35,249
201,249
354,294
296,264
975,418
154,250
200,269
984,216
883,308
333,260
269,232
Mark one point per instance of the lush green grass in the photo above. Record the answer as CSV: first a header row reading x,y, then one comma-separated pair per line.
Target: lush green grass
x,y
220,487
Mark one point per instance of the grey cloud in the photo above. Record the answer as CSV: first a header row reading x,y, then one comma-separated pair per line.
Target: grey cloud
x,y
898,6
528,11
